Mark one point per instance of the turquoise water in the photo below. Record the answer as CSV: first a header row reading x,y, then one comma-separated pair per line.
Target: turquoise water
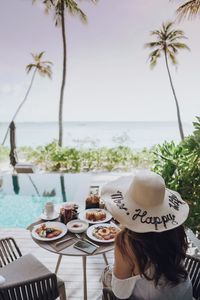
x,y
23,197
136,135
20,211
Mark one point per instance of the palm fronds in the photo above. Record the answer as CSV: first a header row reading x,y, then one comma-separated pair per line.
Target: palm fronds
x,y
189,9
167,41
43,67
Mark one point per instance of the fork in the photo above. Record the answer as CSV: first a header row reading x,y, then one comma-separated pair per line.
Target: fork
x,y
78,236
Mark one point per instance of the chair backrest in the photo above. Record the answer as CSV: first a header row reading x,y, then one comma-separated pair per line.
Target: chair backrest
x,y
43,288
192,265
9,251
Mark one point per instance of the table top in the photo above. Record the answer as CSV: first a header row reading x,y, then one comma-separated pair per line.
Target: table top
x,y
67,247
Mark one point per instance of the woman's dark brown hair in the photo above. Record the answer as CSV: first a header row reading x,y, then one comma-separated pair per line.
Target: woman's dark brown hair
x,y
164,252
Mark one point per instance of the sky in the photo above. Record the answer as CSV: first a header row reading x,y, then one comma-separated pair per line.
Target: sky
x,y
108,73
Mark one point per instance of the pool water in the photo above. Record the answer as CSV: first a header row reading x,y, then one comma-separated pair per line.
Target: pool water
x,y
23,196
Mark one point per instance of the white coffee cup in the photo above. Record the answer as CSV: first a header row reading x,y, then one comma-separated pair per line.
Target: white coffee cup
x,y
49,209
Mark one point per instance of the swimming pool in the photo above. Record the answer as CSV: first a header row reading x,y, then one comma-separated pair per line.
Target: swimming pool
x,y
23,196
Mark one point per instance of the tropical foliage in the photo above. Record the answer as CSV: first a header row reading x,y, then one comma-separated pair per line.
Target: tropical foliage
x,y
55,158
180,167
168,42
188,9
4,152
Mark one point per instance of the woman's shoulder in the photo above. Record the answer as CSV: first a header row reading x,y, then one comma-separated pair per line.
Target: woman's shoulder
x,y
123,288
125,261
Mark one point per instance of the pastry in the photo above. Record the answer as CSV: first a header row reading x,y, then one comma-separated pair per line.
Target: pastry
x,y
96,215
105,232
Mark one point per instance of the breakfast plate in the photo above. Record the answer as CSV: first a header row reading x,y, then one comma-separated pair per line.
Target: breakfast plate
x,y
49,231
77,226
103,233
95,215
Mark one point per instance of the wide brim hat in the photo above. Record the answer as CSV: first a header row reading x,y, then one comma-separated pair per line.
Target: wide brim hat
x,y
142,203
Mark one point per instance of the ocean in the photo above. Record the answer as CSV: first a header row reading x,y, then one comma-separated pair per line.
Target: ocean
x,y
136,135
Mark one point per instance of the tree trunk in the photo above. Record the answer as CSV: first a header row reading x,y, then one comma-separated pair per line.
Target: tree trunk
x,y
21,104
176,101
60,140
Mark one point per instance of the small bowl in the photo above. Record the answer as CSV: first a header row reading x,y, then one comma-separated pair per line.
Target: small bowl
x,y
77,226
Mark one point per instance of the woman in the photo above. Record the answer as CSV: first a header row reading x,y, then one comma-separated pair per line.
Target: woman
x,y
151,247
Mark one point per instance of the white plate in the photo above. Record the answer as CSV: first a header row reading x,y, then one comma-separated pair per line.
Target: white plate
x,y
82,216
58,225
44,217
83,225
92,237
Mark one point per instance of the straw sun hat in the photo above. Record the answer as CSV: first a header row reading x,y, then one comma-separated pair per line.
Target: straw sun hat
x,y
142,203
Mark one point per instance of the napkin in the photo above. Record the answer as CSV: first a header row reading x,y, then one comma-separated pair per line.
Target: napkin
x,y
59,247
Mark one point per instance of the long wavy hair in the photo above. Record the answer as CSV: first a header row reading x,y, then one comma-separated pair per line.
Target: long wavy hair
x,y
162,252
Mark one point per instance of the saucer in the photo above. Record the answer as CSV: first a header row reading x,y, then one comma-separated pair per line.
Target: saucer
x,y
44,217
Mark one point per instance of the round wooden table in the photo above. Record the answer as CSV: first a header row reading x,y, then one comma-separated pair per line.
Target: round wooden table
x,y
69,250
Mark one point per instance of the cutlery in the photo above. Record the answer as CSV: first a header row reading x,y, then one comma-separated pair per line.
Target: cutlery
x,y
84,239
112,223
78,236
65,240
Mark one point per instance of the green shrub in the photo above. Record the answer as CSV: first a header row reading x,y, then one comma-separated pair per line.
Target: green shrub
x,y
54,158
180,167
4,153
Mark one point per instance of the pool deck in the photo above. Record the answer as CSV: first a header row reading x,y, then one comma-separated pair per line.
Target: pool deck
x,y
71,267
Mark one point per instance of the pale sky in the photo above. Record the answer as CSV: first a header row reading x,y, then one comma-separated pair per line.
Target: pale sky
x,y
109,78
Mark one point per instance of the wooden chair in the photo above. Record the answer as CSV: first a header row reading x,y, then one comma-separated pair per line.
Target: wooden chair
x,y
25,276
192,265
108,294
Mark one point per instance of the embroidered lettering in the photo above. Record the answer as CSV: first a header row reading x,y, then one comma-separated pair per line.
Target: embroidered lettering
x,y
118,197
154,220
174,202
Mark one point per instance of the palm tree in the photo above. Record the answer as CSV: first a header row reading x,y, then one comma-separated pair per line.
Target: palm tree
x,y
44,69
189,9
168,43
60,6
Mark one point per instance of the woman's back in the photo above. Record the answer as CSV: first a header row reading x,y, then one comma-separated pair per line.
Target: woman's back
x,y
151,248
145,290
150,266
142,289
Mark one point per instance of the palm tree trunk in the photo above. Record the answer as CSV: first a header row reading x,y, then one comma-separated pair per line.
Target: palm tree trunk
x,y
176,101
21,104
60,140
